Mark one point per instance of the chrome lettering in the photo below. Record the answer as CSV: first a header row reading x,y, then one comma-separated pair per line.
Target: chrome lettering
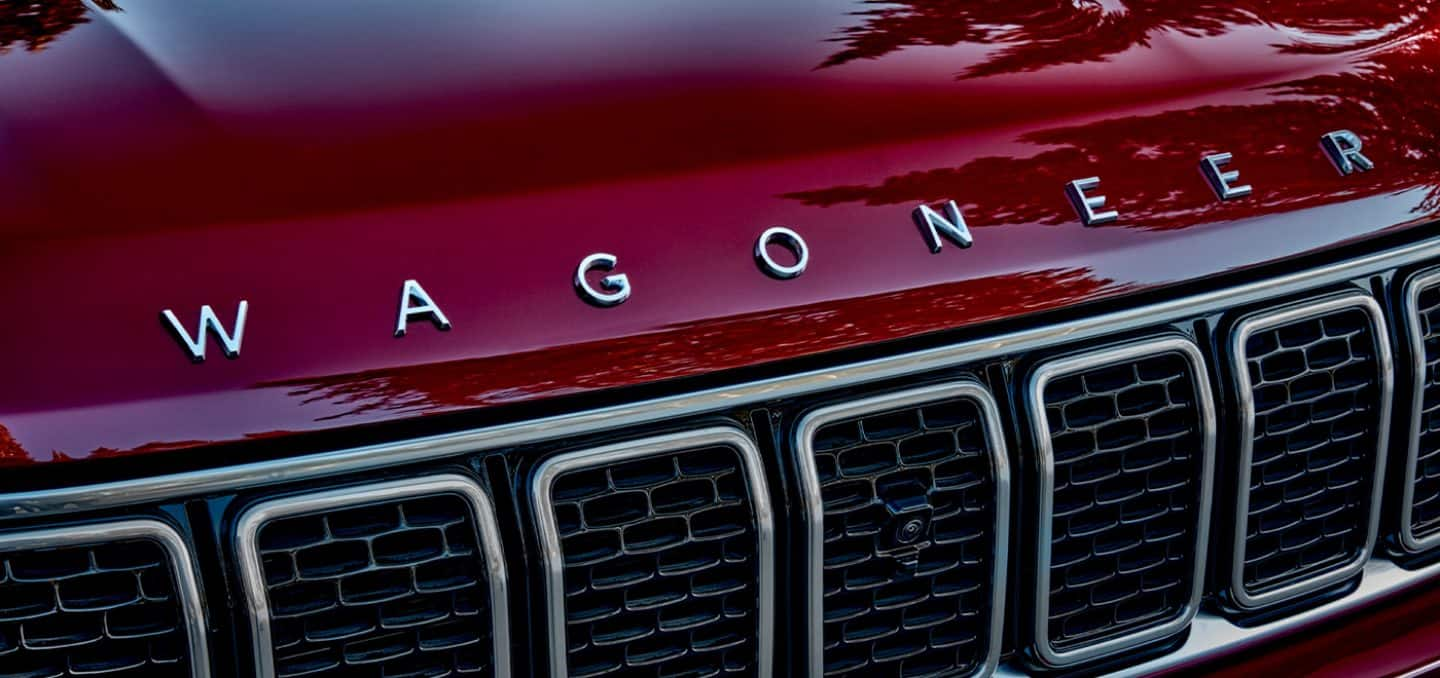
x,y
208,321
618,285
790,240
952,226
1343,148
1085,205
1221,181
410,294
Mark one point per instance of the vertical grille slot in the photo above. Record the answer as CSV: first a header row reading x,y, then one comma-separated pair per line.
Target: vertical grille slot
x,y
1126,441
906,498
108,600
1420,507
392,579
1315,388
659,557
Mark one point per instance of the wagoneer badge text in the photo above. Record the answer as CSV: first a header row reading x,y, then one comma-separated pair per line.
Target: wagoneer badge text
x,y
597,282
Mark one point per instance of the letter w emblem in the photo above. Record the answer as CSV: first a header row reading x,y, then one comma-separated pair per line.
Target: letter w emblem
x,y
208,321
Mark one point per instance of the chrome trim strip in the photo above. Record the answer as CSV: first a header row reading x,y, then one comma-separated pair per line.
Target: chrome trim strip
x,y
554,558
187,586
1426,669
1245,398
252,576
1039,432
191,483
812,503
1213,636
1410,312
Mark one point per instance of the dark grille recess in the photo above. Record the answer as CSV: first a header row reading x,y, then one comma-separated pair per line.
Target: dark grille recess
x,y
109,609
1425,512
909,544
1128,446
1317,398
393,588
660,565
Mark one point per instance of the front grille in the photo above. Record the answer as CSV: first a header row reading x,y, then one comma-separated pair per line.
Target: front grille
x,y
109,600
907,506
1126,445
396,579
1420,509
659,556
666,557
1315,401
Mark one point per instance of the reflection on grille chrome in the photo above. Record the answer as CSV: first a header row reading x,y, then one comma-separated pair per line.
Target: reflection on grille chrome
x,y
1333,354
378,626
630,502
1419,528
117,597
1213,634
1126,416
950,436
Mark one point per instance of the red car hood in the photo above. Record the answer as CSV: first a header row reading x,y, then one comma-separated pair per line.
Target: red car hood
x,y
309,157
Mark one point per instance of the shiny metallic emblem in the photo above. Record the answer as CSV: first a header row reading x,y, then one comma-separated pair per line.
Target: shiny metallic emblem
x,y
414,301
1220,180
790,240
618,284
952,226
1086,205
1343,148
208,321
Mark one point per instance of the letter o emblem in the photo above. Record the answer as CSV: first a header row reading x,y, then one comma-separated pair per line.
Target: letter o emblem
x,y
790,240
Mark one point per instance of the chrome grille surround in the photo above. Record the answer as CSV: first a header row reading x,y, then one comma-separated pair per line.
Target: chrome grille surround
x,y
553,556
255,518
178,559
1044,647
1237,589
1419,327
1213,634
813,511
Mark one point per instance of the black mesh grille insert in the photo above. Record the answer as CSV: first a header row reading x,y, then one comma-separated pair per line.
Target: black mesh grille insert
x,y
909,543
1317,398
660,565
109,609
1129,448
394,588
1425,507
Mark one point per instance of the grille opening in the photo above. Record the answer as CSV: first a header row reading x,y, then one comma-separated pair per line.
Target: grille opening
x,y
1128,434
910,559
383,580
1421,511
1319,399
111,608
661,569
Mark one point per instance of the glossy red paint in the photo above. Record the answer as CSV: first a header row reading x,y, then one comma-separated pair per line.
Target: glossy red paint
x,y
1391,638
310,157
